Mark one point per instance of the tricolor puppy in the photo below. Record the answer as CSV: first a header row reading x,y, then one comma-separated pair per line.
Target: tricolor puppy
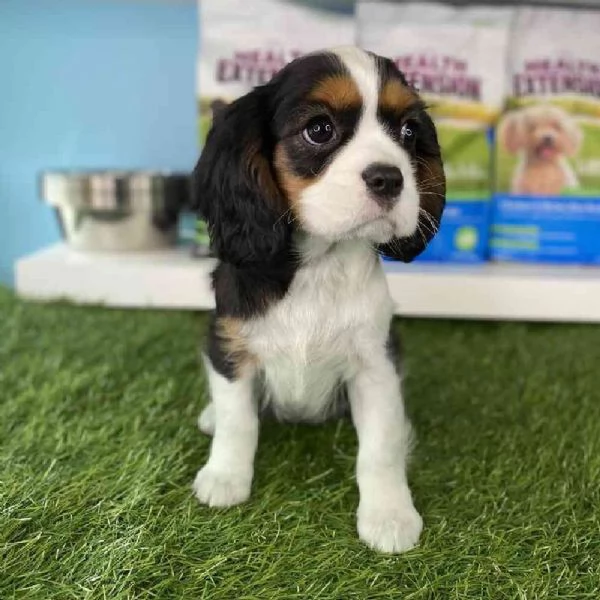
x,y
304,182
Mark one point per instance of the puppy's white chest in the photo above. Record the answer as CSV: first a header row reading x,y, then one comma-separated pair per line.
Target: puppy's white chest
x,y
310,342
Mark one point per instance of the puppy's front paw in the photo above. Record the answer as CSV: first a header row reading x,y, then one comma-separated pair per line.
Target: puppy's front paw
x,y
219,488
390,529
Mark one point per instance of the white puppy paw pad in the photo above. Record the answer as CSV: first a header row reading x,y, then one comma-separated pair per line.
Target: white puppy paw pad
x,y
221,489
206,420
390,530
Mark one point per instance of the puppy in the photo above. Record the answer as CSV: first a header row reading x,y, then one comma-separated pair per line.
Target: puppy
x,y
544,135
303,182
217,106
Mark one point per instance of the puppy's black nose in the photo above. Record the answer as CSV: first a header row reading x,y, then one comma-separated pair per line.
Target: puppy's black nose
x,y
384,181
548,141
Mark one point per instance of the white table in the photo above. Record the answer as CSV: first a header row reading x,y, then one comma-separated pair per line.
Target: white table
x,y
173,279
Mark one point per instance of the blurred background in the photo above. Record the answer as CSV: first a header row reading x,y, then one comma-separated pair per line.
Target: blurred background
x,y
89,84
119,94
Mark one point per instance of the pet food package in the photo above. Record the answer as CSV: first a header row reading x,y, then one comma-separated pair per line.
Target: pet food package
x,y
547,201
243,43
455,57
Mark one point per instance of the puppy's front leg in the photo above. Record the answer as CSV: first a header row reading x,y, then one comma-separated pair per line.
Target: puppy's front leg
x,y
387,518
226,478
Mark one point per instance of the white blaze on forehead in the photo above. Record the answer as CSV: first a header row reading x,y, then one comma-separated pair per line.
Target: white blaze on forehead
x,y
363,70
371,135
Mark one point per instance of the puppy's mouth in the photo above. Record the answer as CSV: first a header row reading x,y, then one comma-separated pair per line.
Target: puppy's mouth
x,y
546,150
379,227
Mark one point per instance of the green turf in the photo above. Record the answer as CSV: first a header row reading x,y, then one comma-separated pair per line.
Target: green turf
x,y
99,447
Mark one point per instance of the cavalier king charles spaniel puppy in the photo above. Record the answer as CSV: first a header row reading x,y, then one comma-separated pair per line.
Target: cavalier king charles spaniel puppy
x,y
304,183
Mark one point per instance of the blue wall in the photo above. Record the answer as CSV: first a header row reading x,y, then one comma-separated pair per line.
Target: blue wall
x,y
90,84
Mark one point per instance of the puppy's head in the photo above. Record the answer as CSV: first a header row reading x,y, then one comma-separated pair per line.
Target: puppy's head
x,y
543,131
337,146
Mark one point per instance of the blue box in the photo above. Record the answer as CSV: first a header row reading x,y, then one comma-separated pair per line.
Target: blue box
x,y
553,229
463,235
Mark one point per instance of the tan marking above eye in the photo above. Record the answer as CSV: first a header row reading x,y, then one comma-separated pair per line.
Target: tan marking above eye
x,y
337,91
396,97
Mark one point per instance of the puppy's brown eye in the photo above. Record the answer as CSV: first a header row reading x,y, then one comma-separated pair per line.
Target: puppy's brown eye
x,y
319,130
408,133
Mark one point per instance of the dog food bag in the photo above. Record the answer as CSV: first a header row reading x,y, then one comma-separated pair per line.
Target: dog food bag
x,y
243,43
547,201
455,57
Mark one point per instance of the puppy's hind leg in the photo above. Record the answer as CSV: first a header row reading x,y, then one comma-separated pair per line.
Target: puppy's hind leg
x,y
226,478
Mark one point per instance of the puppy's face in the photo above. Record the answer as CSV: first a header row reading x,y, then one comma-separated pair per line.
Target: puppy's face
x,y
337,146
544,132
356,155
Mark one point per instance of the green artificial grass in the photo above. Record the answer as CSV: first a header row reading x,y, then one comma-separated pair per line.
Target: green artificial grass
x,y
99,446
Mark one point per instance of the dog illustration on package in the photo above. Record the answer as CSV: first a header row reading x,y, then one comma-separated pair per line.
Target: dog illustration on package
x,y
547,163
544,137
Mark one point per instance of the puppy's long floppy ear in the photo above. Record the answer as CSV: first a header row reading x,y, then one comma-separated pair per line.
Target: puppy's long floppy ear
x,y
431,183
511,132
234,189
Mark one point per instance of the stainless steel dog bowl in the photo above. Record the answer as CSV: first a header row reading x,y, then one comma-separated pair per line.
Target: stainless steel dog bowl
x,y
117,210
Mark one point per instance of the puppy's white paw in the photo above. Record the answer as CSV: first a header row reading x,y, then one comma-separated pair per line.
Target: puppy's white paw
x,y
390,529
206,420
221,488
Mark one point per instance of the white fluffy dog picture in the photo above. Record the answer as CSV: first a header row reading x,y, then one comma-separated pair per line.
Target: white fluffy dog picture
x,y
544,137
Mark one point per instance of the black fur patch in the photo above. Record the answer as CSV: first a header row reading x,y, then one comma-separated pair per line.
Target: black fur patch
x,y
247,292
234,187
387,70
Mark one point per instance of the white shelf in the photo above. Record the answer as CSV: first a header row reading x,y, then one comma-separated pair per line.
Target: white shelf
x,y
161,279
172,279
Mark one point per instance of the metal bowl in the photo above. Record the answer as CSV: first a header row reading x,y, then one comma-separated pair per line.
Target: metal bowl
x,y
108,211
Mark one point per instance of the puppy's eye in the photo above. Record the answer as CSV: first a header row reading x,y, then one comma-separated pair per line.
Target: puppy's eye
x,y
319,130
408,133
